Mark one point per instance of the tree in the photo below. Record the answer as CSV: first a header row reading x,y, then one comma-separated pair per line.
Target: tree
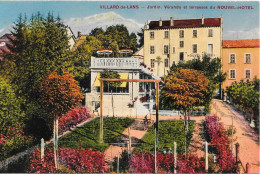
x,y
183,89
141,37
81,58
211,68
110,75
10,113
59,94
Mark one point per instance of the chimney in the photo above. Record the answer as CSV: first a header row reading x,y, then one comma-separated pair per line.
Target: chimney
x,y
160,22
79,34
171,22
202,20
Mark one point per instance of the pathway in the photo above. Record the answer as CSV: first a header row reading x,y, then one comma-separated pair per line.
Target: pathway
x,y
249,145
137,131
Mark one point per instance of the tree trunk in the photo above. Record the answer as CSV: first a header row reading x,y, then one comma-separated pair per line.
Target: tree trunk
x,y
189,115
55,141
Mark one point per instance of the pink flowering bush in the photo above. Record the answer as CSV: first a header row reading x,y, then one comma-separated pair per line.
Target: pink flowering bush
x,y
73,117
144,163
219,139
71,160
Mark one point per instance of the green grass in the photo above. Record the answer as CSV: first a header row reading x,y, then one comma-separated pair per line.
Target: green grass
x,y
169,131
88,134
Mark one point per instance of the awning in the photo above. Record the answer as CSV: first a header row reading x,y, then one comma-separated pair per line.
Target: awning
x,y
122,76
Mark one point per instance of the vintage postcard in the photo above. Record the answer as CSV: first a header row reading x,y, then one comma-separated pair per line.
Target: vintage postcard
x,y
129,86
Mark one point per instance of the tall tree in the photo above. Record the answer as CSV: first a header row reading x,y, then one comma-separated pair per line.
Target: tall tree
x,y
184,89
59,94
39,46
141,37
211,68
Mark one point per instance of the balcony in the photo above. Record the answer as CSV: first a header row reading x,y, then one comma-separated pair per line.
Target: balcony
x,y
115,63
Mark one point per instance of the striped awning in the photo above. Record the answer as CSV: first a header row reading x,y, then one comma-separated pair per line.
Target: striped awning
x,y
122,76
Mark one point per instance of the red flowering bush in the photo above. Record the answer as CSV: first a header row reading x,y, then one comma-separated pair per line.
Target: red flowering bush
x,y
219,139
75,160
73,117
141,90
144,163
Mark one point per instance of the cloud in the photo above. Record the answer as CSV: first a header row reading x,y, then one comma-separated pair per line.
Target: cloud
x,y
241,34
86,24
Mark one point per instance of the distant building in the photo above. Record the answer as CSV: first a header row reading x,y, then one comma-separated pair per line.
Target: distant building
x,y
240,59
170,41
5,40
79,40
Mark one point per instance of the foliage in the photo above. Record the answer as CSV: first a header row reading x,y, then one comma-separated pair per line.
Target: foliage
x,y
13,141
115,37
219,139
72,160
211,68
123,162
110,75
169,132
246,95
183,89
88,134
81,58
141,37
73,117
143,162
10,111
60,93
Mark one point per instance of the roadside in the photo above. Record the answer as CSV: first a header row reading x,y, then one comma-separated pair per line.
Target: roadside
x,y
244,135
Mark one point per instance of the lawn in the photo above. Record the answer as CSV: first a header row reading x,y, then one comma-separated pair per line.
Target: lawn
x,y
169,131
88,134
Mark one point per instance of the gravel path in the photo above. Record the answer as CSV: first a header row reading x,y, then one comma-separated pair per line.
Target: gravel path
x,y
249,141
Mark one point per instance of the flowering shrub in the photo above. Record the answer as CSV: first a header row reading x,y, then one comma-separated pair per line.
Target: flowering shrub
x,y
135,98
130,105
73,117
144,163
13,141
74,160
219,139
143,99
141,90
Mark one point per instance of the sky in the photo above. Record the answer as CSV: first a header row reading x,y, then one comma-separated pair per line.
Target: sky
x,y
85,15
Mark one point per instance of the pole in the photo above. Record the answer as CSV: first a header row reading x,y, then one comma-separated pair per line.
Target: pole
x,y
175,156
130,141
156,124
101,112
117,170
155,155
207,157
42,149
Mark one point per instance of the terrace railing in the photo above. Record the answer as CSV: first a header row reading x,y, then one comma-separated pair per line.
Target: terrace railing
x,y
115,63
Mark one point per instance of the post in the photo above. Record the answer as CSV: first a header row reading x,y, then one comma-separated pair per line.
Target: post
x,y
175,156
101,112
54,143
207,157
117,170
156,125
130,141
247,168
237,152
155,155
42,149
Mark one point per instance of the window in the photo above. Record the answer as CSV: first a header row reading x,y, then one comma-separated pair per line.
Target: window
x,y
152,63
166,34
248,58
152,50
194,48
181,44
210,33
232,58
166,62
165,49
173,49
232,74
181,33
210,49
181,56
248,73
151,34
194,33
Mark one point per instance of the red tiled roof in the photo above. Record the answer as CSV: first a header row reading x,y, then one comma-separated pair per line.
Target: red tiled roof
x,y
187,23
241,43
